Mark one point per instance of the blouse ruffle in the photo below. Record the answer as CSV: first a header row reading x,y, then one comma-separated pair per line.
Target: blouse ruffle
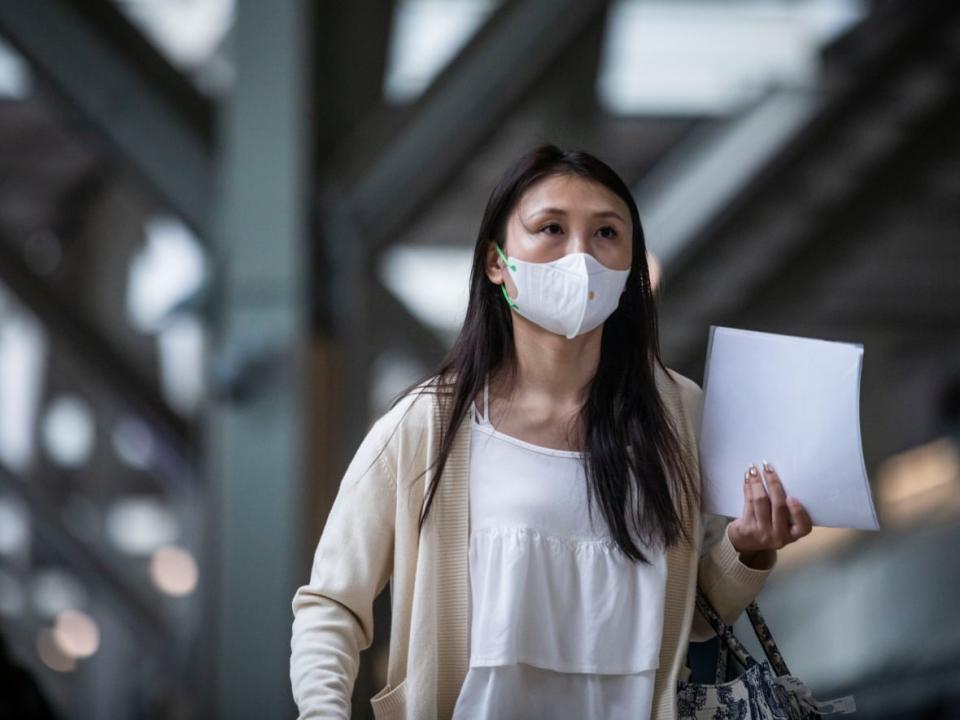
x,y
573,605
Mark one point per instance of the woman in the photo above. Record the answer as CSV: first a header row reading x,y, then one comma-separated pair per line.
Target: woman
x,y
535,501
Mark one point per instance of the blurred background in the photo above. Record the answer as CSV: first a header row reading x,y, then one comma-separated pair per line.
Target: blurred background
x,y
231,230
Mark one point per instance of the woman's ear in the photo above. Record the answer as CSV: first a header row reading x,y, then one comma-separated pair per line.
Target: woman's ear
x,y
493,264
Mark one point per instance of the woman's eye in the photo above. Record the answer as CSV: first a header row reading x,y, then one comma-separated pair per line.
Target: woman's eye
x,y
610,228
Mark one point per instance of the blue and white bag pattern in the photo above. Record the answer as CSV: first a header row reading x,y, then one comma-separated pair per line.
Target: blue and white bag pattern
x,y
765,690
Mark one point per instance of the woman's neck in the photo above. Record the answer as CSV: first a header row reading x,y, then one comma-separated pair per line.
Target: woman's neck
x,y
553,370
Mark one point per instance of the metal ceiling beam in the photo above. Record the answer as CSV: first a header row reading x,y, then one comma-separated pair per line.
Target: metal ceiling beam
x,y
126,89
354,35
836,233
95,353
467,102
779,222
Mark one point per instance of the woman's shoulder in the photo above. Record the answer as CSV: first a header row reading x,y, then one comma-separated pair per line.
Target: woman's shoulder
x,y
681,388
415,409
683,398
400,430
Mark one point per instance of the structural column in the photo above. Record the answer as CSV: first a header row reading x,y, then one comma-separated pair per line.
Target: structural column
x,y
255,451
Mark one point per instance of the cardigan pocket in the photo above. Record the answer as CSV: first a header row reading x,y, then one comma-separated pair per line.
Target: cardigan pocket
x,y
390,703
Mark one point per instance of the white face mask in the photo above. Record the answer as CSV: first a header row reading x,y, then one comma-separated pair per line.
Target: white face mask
x,y
568,296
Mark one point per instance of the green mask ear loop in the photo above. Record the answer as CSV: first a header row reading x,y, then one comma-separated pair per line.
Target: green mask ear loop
x,y
507,296
505,258
512,267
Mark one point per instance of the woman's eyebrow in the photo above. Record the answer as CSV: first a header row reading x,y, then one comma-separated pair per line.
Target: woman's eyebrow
x,y
561,211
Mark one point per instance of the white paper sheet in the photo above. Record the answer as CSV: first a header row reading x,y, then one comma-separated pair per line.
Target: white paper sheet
x,y
792,401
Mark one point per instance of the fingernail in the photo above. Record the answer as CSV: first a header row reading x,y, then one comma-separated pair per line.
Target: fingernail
x,y
768,466
753,469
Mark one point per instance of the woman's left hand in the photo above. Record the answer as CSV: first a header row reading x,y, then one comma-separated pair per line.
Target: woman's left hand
x,y
770,520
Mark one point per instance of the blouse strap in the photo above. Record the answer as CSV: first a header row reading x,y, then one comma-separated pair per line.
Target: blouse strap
x,y
486,401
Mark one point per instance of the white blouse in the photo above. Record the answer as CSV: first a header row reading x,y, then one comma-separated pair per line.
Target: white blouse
x,y
562,624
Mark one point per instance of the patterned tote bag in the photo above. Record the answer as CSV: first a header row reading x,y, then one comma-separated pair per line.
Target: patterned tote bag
x,y
765,690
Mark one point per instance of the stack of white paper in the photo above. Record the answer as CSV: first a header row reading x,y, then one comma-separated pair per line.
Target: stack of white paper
x,y
792,401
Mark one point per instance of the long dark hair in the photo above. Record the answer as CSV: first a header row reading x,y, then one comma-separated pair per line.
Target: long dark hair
x,y
623,409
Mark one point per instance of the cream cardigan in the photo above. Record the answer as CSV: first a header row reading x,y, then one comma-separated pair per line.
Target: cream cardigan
x,y
371,536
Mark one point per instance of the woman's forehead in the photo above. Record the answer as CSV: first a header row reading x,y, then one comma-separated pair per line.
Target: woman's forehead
x,y
570,194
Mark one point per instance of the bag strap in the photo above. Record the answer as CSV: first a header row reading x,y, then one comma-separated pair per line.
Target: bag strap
x,y
725,632
731,644
770,648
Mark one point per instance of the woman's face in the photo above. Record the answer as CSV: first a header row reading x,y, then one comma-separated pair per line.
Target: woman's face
x,y
565,214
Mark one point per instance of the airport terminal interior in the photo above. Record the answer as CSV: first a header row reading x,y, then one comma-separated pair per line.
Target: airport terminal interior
x,y
232,230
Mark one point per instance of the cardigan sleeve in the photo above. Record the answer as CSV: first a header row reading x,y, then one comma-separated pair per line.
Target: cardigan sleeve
x,y
728,583
333,612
